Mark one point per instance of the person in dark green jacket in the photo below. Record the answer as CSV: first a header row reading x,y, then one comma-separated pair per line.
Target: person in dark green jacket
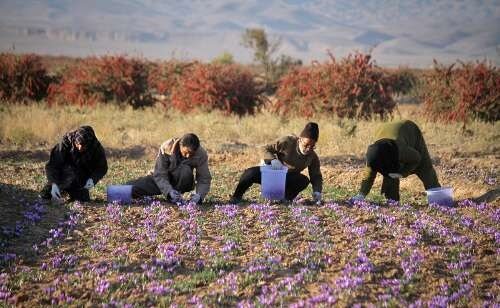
x,y
296,153
399,151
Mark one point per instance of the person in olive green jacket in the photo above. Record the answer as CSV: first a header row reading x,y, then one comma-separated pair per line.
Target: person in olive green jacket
x,y
296,153
399,151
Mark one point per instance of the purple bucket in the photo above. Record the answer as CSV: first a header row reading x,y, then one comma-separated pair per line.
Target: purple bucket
x,y
273,181
119,193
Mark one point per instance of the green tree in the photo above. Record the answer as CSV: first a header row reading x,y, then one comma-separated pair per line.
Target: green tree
x,y
224,58
264,49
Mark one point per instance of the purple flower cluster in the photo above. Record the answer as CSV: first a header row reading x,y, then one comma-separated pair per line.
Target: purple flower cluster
x,y
64,227
191,229
4,289
31,216
114,212
102,286
155,216
272,294
61,261
326,297
60,297
411,264
264,265
384,219
229,284
229,212
168,259
353,272
101,237
310,222
160,289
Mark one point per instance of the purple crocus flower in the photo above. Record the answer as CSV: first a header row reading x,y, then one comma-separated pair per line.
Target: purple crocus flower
x,y
102,286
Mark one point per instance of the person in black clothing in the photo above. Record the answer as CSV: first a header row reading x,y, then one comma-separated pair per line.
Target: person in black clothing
x,y
75,165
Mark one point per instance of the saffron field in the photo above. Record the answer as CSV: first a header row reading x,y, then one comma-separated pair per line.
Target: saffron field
x,y
152,253
257,254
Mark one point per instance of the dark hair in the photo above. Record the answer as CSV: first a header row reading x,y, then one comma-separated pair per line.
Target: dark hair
x,y
84,135
383,156
311,131
190,141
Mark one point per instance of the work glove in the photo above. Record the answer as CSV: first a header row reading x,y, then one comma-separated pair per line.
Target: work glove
x,y
55,192
358,197
276,164
175,196
317,197
195,198
89,185
395,175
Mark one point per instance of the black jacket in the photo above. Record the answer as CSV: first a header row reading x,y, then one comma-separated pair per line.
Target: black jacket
x,y
91,163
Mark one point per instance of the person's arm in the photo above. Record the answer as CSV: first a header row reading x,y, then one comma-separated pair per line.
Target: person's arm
x,y
271,151
55,165
409,159
203,177
160,174
101,167
367,182
315,174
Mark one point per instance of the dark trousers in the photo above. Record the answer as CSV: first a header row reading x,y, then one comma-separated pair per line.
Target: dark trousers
x,y
71,183
390,188
426,173
181,179
295,183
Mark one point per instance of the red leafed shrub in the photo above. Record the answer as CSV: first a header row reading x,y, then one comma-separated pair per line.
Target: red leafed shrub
x,y
402,80
349,88
164,76
22,78
230,88
459,94
104,79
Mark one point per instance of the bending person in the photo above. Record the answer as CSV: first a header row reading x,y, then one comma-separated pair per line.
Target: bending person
x,y
297,153
75,165
173,171
399,151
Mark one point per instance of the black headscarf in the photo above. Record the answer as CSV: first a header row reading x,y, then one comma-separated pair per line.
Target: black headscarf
x,y
85,136
382,156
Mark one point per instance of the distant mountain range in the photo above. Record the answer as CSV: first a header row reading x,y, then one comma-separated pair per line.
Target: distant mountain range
x,y
397,32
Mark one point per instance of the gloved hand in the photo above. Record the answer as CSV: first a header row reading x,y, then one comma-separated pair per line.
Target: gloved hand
x,y
395,175
175,196
55,192
89,185
358,197
195,198
276,164
317,197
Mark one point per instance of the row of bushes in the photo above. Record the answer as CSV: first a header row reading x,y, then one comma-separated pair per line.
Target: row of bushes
x,y
471,90
352,87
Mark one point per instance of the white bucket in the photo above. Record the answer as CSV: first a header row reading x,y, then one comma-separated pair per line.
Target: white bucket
x,y
273,181
120,193
440,195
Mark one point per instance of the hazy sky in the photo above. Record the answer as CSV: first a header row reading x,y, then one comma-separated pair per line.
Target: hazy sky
x,y
398,32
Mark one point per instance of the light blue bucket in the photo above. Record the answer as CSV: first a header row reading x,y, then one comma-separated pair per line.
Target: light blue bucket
x,y
119,193
272,185
440,195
